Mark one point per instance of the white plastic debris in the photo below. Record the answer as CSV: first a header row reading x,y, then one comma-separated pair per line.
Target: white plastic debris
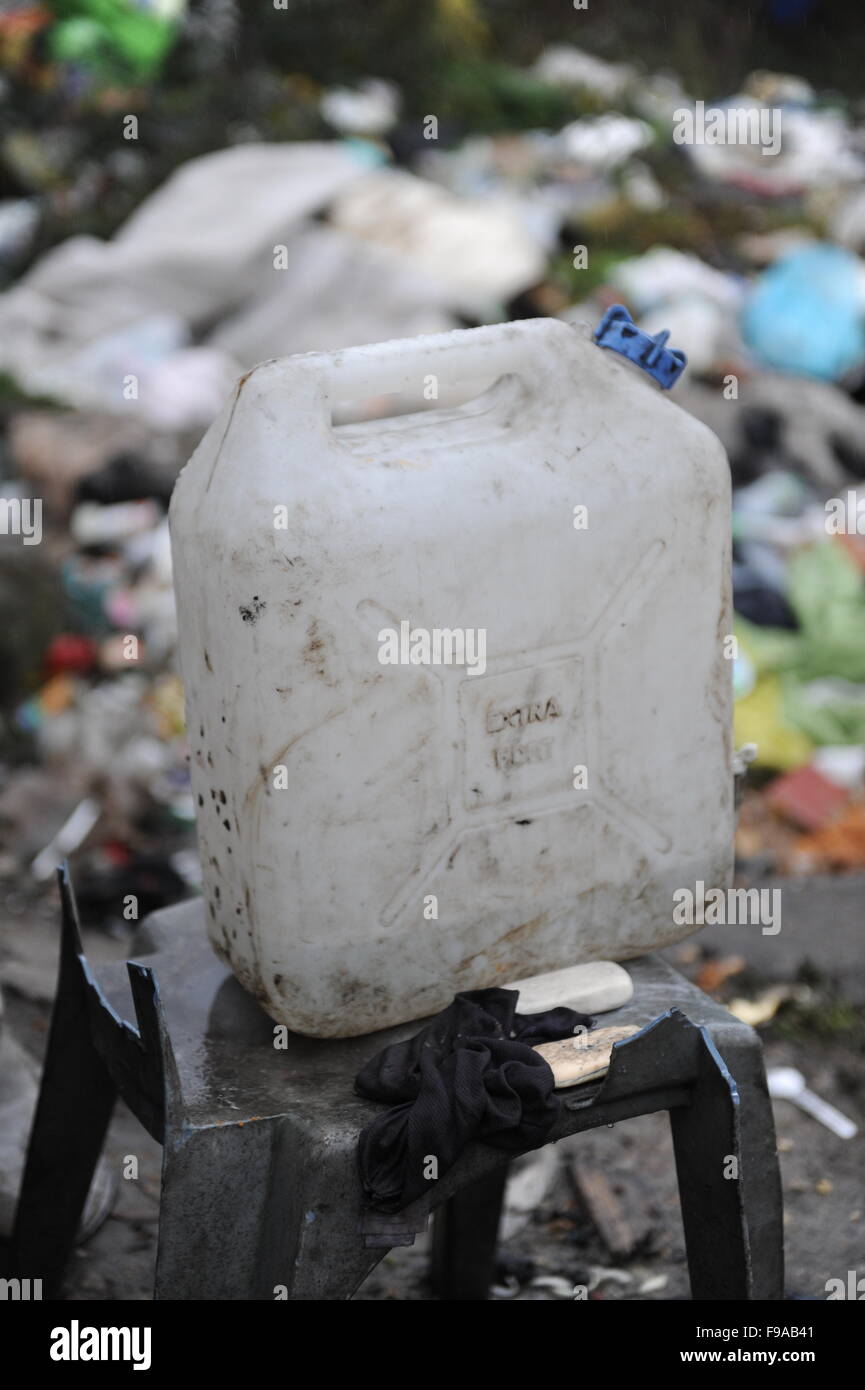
x,y
843,764
601,1274
641,188
508,1288
19,218
786,1083
657,98
654,1284
695,303
532,170
478,247
663,274
564,65
92,524
807,148
697,326
743,757
72,833
529,1179
186,389
556,1285
779,88
371,108
108,325
604,142
334,291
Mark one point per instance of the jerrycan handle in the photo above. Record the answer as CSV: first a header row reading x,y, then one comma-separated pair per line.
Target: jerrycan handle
x,y
529,348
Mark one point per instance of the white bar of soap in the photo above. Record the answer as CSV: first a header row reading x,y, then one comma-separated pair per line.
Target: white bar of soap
x,y
592,988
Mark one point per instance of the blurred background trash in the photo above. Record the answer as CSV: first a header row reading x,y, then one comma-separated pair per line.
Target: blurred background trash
x,y
189,188
807,313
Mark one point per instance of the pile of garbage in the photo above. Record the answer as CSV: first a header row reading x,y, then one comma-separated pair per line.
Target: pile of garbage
x,y
105,774
116,353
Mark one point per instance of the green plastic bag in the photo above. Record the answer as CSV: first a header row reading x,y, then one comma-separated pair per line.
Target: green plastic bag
x,y
811,683
115,39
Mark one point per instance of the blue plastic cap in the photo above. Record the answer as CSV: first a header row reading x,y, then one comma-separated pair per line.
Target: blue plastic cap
x,y
618,332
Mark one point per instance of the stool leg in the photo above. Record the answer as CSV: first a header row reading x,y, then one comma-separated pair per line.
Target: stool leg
x,y
759,1172
465,1235
262,1211
728,1177
76,1099
214,1188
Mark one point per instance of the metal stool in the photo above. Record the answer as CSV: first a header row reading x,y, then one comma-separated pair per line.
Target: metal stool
x,y
260,1194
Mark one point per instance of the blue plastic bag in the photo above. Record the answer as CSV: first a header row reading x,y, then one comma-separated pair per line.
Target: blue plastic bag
x,y
807,313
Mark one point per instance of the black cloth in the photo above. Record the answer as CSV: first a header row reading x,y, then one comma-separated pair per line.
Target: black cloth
x,y
469,1074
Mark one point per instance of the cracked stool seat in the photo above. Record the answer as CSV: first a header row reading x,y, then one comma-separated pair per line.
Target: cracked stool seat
x,y
260,1191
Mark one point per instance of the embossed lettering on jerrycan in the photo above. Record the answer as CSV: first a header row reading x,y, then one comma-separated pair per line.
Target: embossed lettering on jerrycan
x,y
381,826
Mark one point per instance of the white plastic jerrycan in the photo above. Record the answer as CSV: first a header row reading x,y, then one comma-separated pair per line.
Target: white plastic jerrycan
x,y
458,704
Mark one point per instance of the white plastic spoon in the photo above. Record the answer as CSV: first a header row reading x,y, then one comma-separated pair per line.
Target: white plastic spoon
x,y
786,1083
